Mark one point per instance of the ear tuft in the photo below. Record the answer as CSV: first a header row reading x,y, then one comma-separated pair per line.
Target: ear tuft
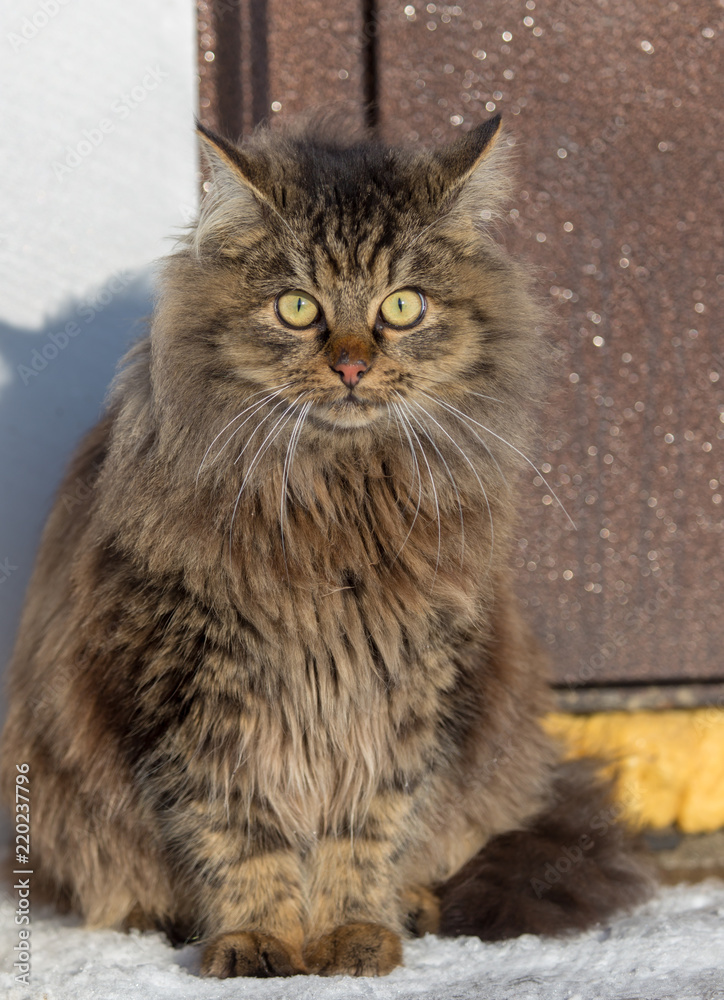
x,y
458,161
473,175
234,204
229,163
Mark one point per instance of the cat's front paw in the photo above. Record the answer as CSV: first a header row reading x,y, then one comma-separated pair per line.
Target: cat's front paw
x,y
249,953
355,950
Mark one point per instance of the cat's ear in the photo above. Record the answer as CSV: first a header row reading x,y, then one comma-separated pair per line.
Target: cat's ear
x,y
234,207
460,160
472,174
230,164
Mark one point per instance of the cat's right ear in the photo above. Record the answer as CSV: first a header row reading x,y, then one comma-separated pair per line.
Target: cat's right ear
x,y
235,203
230,164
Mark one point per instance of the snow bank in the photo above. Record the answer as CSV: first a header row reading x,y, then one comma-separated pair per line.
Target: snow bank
x,y
99,167
670,949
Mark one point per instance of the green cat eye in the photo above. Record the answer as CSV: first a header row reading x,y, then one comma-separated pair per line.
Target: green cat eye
x,y
403,308
297,309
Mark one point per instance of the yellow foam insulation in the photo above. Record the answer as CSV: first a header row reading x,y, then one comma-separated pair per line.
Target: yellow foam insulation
x,y
669,764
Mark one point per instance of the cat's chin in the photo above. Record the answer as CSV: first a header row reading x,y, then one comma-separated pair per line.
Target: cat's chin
x,y
350,412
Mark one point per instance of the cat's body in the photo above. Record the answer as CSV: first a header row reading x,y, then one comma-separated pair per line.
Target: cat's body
x,y
271,681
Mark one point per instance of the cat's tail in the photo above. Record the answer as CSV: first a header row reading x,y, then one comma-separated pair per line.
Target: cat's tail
x,y
574,864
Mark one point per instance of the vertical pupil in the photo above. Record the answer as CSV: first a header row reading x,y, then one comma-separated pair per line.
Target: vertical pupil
x,y
299,305
400,304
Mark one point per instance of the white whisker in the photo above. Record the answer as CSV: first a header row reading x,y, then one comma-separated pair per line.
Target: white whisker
x,y
465,417
475,473
258,426
392,408
422,232
421,423
434,489
260,452
254,406
483,396
288,461
477,437
416,469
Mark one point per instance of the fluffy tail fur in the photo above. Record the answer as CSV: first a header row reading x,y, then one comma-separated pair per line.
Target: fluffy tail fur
x,y
573,866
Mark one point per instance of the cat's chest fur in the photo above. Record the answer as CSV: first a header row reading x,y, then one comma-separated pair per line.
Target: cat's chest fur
x,y
331,677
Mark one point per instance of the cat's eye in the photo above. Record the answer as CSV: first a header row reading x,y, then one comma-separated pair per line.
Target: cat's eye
x,y
297,309
403,308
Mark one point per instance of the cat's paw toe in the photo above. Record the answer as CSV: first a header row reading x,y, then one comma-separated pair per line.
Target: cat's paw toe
x,y
423,910
249,953
355,950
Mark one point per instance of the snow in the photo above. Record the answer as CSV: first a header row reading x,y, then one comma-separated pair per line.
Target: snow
x,y
99,168
672,948
99,99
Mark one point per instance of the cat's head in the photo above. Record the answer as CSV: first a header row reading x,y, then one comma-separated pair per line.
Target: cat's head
x,y
351,283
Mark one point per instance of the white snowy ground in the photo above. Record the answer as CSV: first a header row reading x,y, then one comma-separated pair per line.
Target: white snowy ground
x,y
670,949
98,163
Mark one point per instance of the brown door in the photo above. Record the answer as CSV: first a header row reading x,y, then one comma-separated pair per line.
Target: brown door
x,y
617,113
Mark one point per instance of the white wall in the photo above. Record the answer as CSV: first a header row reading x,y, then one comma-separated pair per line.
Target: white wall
x,y
98,167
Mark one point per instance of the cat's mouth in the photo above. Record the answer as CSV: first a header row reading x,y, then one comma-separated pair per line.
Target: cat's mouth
x,y
351,410
351,399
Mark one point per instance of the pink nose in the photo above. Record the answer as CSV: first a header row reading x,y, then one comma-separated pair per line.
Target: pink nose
x,y
351,372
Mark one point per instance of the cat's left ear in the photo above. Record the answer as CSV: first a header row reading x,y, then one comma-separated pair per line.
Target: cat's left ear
x,y
472,174
460,160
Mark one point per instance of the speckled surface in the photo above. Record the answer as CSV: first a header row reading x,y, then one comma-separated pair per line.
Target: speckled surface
x,y
618,115
265,58
317,51
616,107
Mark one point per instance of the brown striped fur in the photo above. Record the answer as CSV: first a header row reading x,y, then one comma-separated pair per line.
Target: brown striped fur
x,y
271,680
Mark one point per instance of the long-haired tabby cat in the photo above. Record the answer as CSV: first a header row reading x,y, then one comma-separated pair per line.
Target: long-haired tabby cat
x,y
271,682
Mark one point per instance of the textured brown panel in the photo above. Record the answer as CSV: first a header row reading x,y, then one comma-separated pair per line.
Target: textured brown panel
x,y
617,110
259,59
221,94
317,53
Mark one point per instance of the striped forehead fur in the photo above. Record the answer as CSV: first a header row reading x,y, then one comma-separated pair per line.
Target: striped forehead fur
x,y
347,175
